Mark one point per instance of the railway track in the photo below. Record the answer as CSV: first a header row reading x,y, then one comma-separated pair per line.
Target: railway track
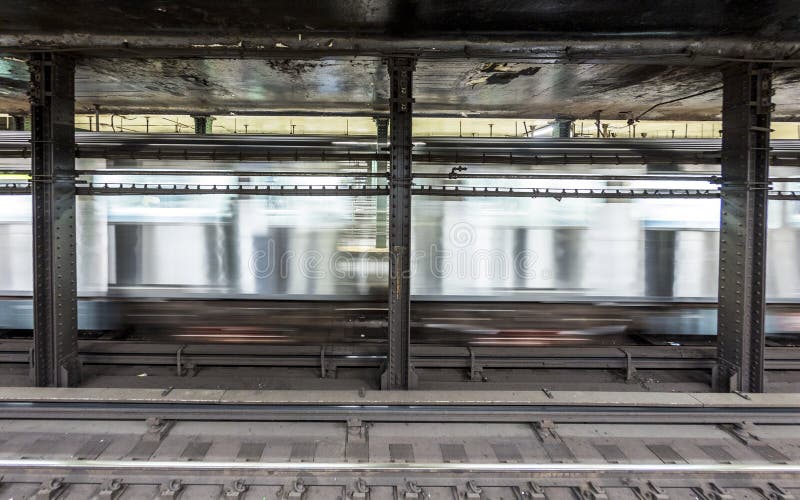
x,y
587,445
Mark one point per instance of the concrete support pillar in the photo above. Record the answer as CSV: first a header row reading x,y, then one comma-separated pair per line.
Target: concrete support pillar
x,y
398,374
55,304
746,109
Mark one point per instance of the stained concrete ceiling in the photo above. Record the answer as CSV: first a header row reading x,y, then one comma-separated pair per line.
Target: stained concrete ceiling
x,y
771,19
359,86
512,83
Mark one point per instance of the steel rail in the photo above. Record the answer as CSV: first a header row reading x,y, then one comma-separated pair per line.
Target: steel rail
x,y
392,467
87,409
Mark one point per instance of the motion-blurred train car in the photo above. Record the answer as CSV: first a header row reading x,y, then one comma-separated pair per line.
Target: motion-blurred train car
x,y
142,260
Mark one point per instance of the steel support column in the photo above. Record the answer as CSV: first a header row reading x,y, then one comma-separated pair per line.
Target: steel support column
x,y
398,374
202,124
55,305
19,122
382,129
746,112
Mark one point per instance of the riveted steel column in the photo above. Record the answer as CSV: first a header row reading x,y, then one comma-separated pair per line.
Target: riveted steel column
x,y
746,112
382,129
20,122
55,305
398,374
202,124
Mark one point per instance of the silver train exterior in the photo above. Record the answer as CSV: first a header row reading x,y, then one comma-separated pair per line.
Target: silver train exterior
x,y
521,250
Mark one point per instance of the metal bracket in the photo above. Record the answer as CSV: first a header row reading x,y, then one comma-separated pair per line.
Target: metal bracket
x,y
110,490
170,489
473,491
475,368
630,369
412,491
234,489
772,491
743,431
593,492
764,90
455,170
157,429
184,368
413,378
327,367
297,491
49,490
360,490
533,491
357,444
713,492
546,431
356,425
649,491
356,429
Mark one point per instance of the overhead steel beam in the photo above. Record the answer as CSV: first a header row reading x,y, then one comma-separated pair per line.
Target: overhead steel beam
x,y
116,188
398,374
55,304
602,48
103,188
746,108
561,193
434,150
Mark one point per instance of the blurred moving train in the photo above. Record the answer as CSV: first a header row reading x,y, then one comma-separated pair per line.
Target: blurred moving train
x,y
189,264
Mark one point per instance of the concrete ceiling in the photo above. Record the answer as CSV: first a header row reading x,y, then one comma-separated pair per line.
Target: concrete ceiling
x,y
769,19
359,86
512,82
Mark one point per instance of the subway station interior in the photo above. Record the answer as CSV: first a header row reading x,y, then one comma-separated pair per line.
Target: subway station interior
x,y
400,249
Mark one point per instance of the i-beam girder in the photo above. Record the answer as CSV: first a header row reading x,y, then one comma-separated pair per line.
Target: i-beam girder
x,y
398,374
55,305
746,108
